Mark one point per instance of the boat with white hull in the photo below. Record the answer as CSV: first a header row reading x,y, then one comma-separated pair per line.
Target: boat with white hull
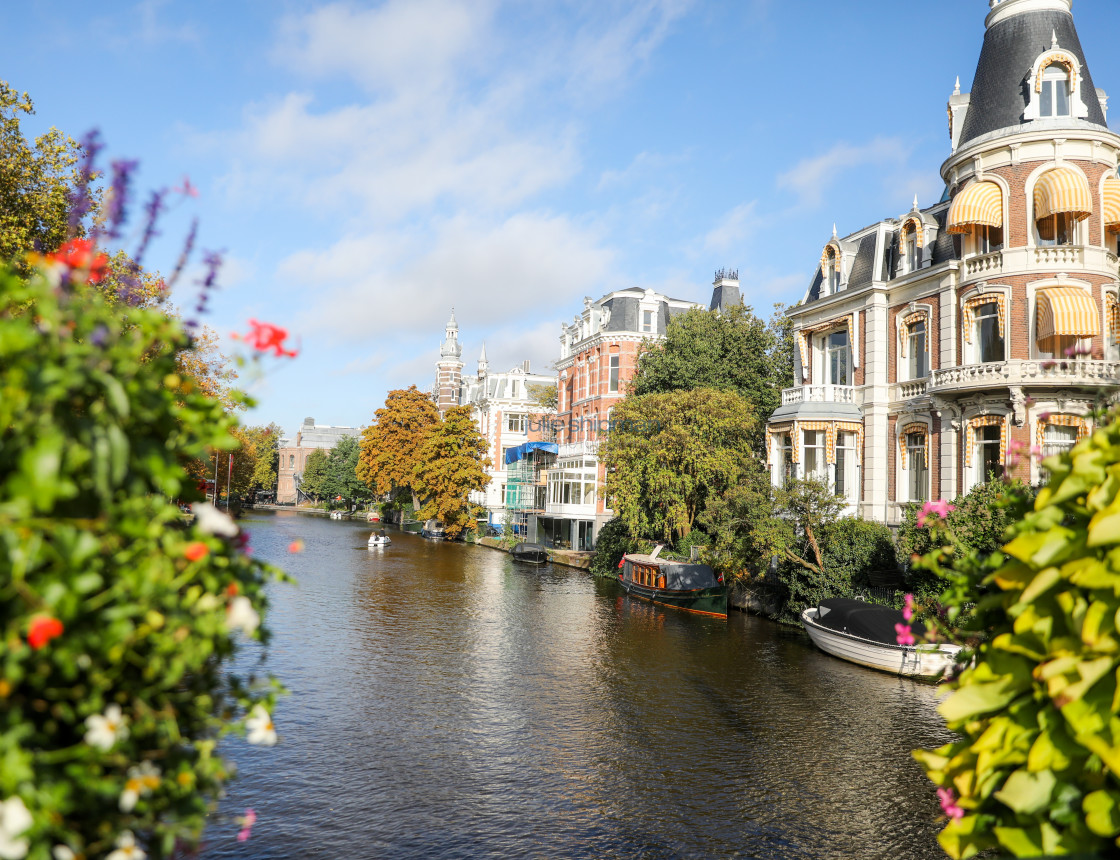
x,y
864,633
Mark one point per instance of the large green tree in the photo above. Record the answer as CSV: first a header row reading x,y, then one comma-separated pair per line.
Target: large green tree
x,y
733,350
390,447
313,481
669,453
451,464
35,183
342,478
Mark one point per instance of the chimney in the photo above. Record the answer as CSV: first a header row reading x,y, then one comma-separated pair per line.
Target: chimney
x,y
525,366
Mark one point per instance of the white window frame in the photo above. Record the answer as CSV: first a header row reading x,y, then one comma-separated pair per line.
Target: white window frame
x,y
912,351
973,349
822,447
977,473
1054,75
648,321
908,470
825,353
615,373
852,493
1050,447
516,422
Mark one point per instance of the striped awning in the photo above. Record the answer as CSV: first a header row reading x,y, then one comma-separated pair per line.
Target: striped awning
x,y
1062,191
1067,311
1112,204
979,205
917,430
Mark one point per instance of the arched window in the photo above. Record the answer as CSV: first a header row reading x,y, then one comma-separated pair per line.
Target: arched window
x,y
1055,92
1061,201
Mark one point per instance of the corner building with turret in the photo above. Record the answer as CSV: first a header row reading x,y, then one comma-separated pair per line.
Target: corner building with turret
x,y
937,349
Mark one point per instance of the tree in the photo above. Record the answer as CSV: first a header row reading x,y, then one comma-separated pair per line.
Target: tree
x,y
341,472
313,482
668,454
35,183
389,449
729,351
546,396
451,464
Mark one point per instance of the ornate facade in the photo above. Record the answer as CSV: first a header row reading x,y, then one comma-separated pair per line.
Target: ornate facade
x,y
936,349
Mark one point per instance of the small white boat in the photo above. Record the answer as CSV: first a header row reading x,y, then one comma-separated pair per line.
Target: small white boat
x,y
864,633
376,539
336,515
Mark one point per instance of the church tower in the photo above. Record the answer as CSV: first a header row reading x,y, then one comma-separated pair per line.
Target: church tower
x,y
449,368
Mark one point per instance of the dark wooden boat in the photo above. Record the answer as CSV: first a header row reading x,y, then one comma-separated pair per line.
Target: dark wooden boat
x,y
433,529
680,584
533,553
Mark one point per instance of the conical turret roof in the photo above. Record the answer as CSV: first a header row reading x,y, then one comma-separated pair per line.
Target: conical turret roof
x,y
1019,32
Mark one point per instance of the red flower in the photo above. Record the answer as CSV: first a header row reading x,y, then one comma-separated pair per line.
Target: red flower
x,y
621,562
78,254
196,551
43,629
296,546
266,336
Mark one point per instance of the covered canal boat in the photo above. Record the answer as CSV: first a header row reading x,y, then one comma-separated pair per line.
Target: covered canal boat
x,y
681,584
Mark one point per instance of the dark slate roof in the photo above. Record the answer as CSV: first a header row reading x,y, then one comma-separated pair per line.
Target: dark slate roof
x,y
999,90
863,267
725,296
815,289
624,314
944,248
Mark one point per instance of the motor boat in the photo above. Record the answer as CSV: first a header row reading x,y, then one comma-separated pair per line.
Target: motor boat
x,y
378,539
865,633
533,553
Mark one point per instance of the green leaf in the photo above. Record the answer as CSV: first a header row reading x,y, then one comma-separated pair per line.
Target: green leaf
x,y
1102,812
976,699
1027,792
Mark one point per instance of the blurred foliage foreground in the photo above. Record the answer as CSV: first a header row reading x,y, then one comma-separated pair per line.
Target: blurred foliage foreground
x,y
118,619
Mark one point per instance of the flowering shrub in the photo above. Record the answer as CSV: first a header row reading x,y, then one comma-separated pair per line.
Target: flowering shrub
x,y
1036,771
117,618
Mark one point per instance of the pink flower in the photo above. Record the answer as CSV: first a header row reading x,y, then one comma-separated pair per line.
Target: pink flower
x,y
908,610
187,190
1048,364
265,337
1036,451
939,509
904,634
1028,401
949,803
247,822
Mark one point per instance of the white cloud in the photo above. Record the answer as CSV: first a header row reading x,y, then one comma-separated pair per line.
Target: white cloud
x,y
732,229
402,44
811,177
368,286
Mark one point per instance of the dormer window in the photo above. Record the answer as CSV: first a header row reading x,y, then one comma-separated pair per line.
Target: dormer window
x,y
830,269
833,279
909,252
647,321
1055,93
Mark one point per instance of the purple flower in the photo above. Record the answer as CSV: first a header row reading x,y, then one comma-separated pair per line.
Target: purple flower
x,y
908,609
118,195
99,335
1048,364
188,246
213,262
153,210
81,201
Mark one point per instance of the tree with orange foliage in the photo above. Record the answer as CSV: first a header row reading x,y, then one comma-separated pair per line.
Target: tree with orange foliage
x,y
390,447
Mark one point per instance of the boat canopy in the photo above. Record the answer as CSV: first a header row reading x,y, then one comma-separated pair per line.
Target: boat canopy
x,y
523,451
679,575
865,620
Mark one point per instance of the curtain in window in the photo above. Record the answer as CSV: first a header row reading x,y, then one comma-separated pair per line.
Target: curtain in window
x,y
972,304
776,432
852,427
829,428
909,430
1112,314
804,338
986,421
1061,421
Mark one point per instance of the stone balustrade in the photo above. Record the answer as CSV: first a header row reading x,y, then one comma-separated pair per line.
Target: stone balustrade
x,y
820,394
1031,372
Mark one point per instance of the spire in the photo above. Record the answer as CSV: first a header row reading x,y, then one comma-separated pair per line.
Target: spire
x,y
451,347
483,364
915,202
1054,40
957,88
833,229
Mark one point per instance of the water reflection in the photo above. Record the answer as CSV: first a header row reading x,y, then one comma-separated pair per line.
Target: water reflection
x,y
451,702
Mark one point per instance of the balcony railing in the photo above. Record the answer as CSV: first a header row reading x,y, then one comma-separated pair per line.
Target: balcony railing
x,y
578,449
985,266
908,390
1032,372
820,394
1060,255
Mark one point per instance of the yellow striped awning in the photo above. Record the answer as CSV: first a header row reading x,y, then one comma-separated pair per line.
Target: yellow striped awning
x,y
985,421
913,225
1112,204
1061,421
1067,311
1112,314
979,205
917,430
1062,191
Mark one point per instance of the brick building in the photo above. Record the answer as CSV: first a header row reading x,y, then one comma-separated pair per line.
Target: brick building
x,y
294,451
598,356
932,345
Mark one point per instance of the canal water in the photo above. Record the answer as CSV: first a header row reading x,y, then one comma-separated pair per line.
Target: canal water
x,y
448,701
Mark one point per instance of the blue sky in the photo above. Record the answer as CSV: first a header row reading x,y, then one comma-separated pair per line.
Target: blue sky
x,y
365,166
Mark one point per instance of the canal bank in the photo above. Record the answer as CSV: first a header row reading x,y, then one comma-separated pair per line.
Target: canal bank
x,y
447,700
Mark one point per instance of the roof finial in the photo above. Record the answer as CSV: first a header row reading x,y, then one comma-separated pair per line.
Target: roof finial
x,y
1054,40
833,229
915,202
957,88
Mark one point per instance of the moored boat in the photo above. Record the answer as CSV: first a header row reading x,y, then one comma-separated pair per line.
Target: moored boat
x,y
680,584
533,553
433,529
865,633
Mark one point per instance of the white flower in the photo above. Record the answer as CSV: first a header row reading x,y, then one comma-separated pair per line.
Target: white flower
x,y
104,731
14,820
141,780
211,521
63,852
259,724
127,849
242,616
